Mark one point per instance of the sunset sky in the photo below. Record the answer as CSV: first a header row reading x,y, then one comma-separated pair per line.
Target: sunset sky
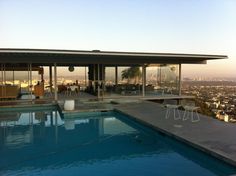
x,y
172,26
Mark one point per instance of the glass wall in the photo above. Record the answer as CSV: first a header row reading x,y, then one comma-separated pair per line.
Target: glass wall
x,y
71,75
110,81
162,80
67,77
18,82
123,81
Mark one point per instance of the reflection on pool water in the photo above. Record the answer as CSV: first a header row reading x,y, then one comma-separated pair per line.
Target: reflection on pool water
x,y
43,143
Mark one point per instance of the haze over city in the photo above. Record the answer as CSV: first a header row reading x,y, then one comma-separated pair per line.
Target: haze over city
x,y
185,26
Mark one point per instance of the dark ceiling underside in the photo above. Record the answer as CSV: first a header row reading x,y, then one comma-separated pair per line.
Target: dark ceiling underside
x,y
49,57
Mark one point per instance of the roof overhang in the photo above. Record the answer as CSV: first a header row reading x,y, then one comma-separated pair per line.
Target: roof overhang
x,y
78,57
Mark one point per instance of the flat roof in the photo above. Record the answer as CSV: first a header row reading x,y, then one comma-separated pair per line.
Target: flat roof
x,y
78,57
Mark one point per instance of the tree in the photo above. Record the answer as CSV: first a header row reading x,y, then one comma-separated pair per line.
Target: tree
x,y
131,73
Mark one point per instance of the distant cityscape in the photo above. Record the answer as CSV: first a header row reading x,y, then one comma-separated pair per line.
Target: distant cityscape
x,y
215,95
212,79
216,98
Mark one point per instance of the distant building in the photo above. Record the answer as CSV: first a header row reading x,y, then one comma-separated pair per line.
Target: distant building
x,y
222,116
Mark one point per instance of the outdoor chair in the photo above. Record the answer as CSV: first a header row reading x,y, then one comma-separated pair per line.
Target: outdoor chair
x,y
48,92
191,111
73,90
171,106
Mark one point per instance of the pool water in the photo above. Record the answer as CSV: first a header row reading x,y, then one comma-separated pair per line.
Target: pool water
x,y
43,143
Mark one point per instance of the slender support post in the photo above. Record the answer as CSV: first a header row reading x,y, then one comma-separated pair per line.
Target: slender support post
x,y
30,77
50,78
143,79
157,75
55,82
98,82
116,75
94,78
2,79
13,76
160,76
103,80
85,76
2,73
28,70
42,76
180,79
4,67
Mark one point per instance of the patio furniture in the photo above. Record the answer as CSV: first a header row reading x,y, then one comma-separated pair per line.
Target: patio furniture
x,y
149,88
62,88
159,91
9,91
168,91
39,90
73,90
27,96
131,89
172,108
47,92
190,111
69,105
127,89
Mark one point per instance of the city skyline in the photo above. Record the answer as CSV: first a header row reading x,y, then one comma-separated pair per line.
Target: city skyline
x,y
202,27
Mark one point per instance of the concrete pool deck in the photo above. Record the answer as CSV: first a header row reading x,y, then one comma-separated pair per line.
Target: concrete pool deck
x,y
210,135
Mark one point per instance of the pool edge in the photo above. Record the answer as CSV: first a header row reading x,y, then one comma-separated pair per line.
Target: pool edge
x,y
181,139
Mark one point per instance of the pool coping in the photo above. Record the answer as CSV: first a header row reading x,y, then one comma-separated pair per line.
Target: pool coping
x,y
27,107
219,155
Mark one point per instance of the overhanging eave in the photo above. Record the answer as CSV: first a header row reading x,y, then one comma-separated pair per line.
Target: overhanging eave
x,y
65,57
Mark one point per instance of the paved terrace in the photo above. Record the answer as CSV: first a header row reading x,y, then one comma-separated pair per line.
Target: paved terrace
x,y
85,102
210,135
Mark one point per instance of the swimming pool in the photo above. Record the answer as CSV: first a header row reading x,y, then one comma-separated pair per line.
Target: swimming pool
x,y
102,143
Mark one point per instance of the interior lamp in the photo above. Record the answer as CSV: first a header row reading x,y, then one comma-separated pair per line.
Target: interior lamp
x,y
71,68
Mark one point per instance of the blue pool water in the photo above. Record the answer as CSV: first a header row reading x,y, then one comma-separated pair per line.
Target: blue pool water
x,y
43,143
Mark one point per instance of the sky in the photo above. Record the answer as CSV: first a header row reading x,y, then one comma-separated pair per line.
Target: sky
x,y
164,26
